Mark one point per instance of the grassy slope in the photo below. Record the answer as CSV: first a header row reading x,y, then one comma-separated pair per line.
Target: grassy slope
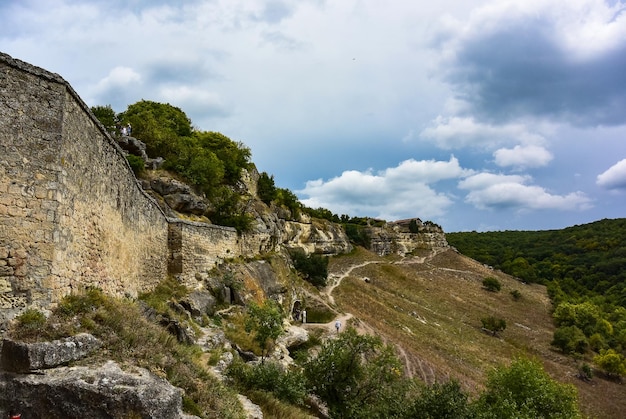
x,y
431,311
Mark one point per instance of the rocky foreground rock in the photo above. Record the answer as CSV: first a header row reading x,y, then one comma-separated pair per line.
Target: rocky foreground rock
x,y
34,384
90,392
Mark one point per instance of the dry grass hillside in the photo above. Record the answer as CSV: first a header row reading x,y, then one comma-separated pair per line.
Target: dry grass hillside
x,y
430,307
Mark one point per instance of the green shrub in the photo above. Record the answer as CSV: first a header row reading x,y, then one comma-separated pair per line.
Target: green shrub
x,y
319,315
491,284
29,324
286,385
74,304
441,400
570,339
136,163
266,190
516,295
524,390
585,372
611,362
493,324
358,235
314,267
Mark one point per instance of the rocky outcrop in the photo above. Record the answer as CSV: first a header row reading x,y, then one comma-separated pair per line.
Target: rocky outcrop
x,y
179,196
293,337
103,392
25,357
406,236
316,236
199,303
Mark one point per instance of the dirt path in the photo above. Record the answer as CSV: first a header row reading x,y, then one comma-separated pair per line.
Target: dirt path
x,y
336,279
412,367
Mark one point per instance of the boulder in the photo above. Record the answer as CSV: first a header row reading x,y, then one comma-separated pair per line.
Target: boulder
x,y
90,392
252,410
199,303
293,337
186,203
133,146
24,357
179,196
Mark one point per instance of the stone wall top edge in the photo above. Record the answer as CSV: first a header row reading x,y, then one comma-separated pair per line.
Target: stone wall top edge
x,y
29,68
199,224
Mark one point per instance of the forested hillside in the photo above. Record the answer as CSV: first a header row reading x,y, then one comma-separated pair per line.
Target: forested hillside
x,y
585,260
584,268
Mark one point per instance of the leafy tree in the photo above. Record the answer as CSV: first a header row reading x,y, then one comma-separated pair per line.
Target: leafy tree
x,y
313,267
358,235
234,156
266,321
106,115
358,377
570,339
266,190
525,391
441,401
586,316
611,362
413,226
493,324
289,200
492,284
322,213
157,124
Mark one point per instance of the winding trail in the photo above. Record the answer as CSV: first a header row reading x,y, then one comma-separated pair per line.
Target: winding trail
x,y
412,367
338,278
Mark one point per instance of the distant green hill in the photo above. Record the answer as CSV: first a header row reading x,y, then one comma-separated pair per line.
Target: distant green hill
x,y
586,260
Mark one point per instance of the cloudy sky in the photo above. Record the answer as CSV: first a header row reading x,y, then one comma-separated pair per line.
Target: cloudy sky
x,y
475,114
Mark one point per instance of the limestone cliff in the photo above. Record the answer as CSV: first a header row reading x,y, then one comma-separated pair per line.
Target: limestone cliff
x,y
397,237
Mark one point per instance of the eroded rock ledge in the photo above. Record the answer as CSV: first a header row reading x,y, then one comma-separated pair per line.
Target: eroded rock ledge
x,y
90,392
33,383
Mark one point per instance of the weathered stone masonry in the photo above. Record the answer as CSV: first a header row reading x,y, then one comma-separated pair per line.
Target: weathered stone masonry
x,y
72,214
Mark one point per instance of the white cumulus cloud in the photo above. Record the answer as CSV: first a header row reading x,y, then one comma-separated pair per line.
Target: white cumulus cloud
x,y
399,192
522,156
614,177
454,132
493,191
119,77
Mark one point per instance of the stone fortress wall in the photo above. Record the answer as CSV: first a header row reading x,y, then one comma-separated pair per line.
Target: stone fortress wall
x,y
72,214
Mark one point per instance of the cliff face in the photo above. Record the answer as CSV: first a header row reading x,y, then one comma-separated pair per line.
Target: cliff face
x,y
397,237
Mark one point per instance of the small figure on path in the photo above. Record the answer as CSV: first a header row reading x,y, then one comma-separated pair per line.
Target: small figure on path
x,y
303,316
338,325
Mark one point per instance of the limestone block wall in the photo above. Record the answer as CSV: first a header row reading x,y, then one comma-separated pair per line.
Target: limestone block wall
x,y
71,212
30,138
110,234
197,247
